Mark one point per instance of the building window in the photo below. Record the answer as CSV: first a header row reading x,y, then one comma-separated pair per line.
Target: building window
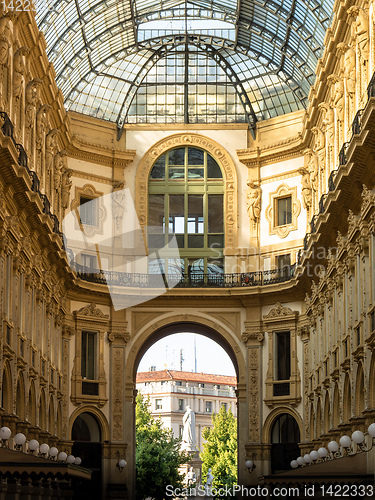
x,y
284,211
282,356
88,355
87,211
283,261
186,190
372,320
89,261
178,382
200,385
180,404
158,404
208,406
225,406
181,430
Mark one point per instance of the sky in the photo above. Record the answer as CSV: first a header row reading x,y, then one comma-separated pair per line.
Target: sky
x,y
211,358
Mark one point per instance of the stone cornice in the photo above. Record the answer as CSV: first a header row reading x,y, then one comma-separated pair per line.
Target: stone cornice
x,y
279,151
111,157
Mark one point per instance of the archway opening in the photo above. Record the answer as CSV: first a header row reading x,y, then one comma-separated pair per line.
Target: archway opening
x,y
176,373
86,437
285,436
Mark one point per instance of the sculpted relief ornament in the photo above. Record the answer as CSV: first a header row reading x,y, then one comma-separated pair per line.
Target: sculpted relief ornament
x,y
253,198
360,37
6,32
19,70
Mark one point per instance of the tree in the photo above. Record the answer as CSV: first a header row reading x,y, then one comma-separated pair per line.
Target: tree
x,y
220,449
157,455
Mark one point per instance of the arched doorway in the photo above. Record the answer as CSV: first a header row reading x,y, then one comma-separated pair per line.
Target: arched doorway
x,y
182,323
285,436
86,437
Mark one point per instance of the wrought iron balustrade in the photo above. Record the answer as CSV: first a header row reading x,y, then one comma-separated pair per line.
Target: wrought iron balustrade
x,y
342,155
321,203
331,180
357,122
7,126
371,87
196,280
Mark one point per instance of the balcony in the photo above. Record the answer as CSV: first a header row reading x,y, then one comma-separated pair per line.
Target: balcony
x,y
196,280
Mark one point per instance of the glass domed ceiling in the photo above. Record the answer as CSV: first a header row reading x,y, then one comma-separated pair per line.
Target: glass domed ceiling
x,y
167,61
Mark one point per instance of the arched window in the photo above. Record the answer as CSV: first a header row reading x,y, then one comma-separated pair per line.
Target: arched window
x,y
186,191
285,436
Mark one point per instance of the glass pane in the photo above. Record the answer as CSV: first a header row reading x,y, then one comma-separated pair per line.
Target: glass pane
x,y
215,266
216,240
215,213
195,156
195,266
213,169
196,241
156,240
156,266
177,156
176,213
176,173
156,213
284,211
158,170
176,266
91,356
195,214
196,173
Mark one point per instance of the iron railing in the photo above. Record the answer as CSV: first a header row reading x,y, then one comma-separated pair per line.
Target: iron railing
x,y
7,129
196,280
342,155
357,122
331,180
371,87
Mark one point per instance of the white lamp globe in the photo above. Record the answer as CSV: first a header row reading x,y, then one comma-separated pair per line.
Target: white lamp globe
x,y
5,433
371,430
62,456
358,437
345,441
314,455
122,463
20,439
322,452
294,464
249,464
77,461
307,458
300,461
333,446
71,459
33,444
44,448
53,452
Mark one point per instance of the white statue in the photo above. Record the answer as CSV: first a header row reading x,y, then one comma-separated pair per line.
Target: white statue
x,y
208,485
188,435
191,477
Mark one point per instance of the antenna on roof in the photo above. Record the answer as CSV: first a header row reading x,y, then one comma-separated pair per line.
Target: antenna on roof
x,y
181,359
195,353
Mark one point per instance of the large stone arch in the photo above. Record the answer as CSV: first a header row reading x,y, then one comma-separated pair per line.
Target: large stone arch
x,y
7,389
359,391
347,400
20,398
169,323
319,419
327,413
100,417
220,154
336,407
31,407
371,398
51,417
272,417
42,411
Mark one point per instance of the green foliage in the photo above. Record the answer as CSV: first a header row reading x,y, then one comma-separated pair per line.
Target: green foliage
x,y
220,450
157,455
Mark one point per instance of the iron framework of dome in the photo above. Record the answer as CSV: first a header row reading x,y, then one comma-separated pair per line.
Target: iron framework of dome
x,y
202,61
